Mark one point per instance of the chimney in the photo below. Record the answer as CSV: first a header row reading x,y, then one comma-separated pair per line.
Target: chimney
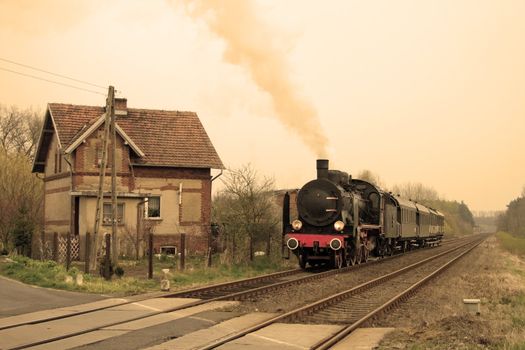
x,y
121,106
322,168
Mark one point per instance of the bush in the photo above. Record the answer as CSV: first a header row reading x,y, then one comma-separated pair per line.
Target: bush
x,y
119,271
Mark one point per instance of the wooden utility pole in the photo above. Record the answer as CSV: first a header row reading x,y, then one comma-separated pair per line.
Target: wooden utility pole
x,y
110,110
114,210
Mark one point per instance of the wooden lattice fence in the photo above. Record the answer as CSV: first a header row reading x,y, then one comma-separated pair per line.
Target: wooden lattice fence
x,y
62,248
53,246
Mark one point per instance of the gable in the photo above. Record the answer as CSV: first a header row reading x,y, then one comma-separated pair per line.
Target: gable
x,y
157,137
87,131
44,141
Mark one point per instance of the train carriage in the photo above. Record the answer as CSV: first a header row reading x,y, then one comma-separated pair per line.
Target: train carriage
x,y
423,220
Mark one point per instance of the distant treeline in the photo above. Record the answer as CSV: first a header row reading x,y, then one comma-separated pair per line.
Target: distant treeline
x,y
513,219
459,220
458,217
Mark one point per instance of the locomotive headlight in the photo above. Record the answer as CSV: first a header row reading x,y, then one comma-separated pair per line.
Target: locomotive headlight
x,y
297,224
292,243
335,244
339,225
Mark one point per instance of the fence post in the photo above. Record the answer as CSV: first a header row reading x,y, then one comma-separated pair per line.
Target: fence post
x,y
87,252
150,255
210,231
55,246
43,245
182,250
107,258
208,262
68,251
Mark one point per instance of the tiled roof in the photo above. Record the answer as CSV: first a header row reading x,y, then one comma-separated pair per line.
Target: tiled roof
x,y
168,138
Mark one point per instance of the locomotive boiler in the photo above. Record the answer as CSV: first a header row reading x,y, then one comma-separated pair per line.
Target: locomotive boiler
x,y
343,221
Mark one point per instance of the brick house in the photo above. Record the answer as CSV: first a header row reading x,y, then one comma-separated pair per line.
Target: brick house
x,y
163,163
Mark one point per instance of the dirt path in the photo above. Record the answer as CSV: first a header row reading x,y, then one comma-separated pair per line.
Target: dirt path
x,y
435,318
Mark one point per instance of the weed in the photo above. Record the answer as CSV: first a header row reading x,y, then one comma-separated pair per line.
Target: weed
x,y
513,244
53,275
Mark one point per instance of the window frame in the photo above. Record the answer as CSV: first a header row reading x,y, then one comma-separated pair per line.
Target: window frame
x,y
147,211
122,221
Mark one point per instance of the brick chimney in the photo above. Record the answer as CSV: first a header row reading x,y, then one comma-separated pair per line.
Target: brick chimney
x,y
121,103
121,106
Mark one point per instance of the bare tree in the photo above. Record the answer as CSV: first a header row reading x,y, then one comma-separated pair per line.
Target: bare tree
x,y
22,196
245,209
22,192
19,130
416,191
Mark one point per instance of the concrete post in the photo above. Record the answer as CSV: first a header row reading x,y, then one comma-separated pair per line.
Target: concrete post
x,y
150,255
68,251
87,252
107,257
55,246
182,250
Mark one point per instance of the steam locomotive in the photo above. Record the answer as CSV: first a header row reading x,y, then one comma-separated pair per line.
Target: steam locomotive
x,y
343,221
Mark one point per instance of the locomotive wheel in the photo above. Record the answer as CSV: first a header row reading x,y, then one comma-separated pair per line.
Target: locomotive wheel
x,y
303,259
359,254
392,248
349,257
338,259
366,254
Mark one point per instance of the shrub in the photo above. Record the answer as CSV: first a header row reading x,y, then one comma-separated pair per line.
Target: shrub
x,y
119,271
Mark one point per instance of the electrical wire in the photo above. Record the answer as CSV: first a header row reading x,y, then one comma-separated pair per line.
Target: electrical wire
x,y
51,73
52,81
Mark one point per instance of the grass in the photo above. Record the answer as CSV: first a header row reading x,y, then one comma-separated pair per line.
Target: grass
x,y
49,274
513,244
52,275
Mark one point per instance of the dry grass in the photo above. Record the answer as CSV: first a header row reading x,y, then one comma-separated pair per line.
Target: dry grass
x,y
436,318
513,244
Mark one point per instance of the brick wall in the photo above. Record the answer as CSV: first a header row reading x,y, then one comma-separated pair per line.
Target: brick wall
x,y
176,173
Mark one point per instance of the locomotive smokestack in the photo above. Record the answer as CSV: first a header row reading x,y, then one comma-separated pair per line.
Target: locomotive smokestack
x,y
322,168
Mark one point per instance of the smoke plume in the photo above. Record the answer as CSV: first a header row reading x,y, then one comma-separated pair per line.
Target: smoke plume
x,y
249,44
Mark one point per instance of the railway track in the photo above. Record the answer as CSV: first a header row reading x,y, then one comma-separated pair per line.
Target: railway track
x,y
358,304
236,290
233,290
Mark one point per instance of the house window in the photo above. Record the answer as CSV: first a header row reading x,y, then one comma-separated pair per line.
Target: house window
x,y
153,207
106,215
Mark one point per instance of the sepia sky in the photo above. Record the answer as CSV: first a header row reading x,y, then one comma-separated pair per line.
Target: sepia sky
x,y
414,90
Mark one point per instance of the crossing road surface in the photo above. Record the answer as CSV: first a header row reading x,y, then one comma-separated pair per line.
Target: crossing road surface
x,y
18,298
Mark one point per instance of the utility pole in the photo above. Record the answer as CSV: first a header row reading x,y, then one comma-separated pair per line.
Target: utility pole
x,y
114,210
110,110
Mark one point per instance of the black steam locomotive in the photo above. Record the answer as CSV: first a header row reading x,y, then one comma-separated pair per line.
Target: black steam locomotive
x,y
342,221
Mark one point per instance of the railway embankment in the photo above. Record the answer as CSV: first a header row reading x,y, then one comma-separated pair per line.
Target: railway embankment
x,y
436,317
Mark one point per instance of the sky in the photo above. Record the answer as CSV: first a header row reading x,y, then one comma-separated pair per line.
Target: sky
x,y
414,90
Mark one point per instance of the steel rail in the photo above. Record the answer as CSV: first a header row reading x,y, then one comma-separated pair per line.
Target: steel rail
x,y
231,296
328,300
234,296
334,339
143,297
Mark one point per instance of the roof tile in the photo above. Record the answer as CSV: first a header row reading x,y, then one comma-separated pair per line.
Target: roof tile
x,y
168,138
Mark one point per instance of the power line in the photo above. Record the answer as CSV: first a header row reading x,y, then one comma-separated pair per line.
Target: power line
x,y
52,81
55,74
